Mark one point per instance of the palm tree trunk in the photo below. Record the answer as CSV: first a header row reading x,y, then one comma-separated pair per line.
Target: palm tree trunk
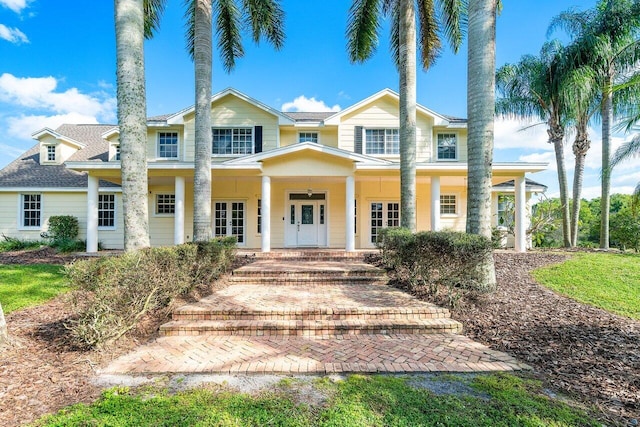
x,y
607,120
481,106
556,137
407,71
581,145
202,49
132,120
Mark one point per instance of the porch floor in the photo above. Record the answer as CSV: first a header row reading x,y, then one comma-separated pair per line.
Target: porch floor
x,y
287,316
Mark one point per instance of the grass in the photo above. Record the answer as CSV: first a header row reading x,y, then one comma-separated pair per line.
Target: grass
x,y
610,281
501,400
28,285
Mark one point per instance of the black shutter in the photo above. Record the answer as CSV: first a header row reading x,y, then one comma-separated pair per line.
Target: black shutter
x,y
258,139
357,139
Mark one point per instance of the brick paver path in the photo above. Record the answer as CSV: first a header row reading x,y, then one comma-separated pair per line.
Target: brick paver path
x,y
336,349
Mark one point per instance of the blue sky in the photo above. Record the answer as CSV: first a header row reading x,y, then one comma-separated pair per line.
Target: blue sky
x,y
57,65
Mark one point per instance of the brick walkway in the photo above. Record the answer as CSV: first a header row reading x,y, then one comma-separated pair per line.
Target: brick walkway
x,y
323,316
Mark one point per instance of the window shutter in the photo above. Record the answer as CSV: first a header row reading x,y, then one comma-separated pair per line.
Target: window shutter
x,y
258,139
357,139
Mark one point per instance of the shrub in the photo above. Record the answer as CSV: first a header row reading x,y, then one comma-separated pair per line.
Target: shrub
x,y
437,262
113,294
63,227
13,244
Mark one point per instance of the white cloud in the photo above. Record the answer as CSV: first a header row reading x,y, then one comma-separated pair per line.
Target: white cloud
x,y
40,93
543,157
510,133
302,103
15,5
12,35
23,126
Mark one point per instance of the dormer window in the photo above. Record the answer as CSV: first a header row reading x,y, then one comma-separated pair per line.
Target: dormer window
x,y
308,137
116,155
447,146
168,145
382,141
51,153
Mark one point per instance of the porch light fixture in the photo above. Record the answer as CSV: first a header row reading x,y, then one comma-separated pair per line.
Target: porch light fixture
x,y
309,192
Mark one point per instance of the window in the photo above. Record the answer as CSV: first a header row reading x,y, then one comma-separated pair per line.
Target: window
x,y
259,216
168,145
382,141
106,210
31,210
447,146
116,155
506,204
308,137
165,204
51,153
355,216
232,141
448,204
383,214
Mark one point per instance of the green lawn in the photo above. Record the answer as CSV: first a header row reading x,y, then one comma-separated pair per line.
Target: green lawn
x,y
491,400
607,280
28,285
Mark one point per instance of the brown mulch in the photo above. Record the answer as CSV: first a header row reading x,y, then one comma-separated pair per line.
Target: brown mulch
x,y
576,349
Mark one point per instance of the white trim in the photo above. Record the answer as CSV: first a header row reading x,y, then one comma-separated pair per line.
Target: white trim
x,y
47,131
232,128
326,225
457,147
115,212
21,225
309,131
155,204
378,155
456,214
157,143
228,227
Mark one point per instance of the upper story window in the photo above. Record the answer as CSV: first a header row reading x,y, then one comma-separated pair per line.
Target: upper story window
x,y
165,204
447,146
30,210
106,211
232,141
382,141
308,137
116,155
448,205
51,153
168,145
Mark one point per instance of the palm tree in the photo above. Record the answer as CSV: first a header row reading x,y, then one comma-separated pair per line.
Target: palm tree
x,y
609,36
134,20
362,40
533,89
481,66
626,151
265,18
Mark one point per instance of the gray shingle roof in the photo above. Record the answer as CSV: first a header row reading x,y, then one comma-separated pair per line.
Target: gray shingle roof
x,y
310,116
529,183
26,171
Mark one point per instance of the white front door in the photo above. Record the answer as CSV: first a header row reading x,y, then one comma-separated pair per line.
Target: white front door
x,y
228,220
306,223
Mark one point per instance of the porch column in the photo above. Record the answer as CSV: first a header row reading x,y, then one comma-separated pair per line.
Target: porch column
x,y
178,219
435,203
92,213
350,220
266,214
521,215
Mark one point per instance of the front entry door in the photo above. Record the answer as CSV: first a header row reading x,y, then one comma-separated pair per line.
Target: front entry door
x,y
306,222
228,220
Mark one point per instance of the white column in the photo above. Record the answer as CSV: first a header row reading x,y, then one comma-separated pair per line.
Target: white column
x,y
92,213
521,215
266,214
435,203
350,221
178,219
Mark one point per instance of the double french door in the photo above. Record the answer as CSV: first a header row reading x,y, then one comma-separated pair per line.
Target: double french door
x,y
229,219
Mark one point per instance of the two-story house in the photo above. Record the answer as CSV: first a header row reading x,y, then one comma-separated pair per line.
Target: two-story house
x,y
279,180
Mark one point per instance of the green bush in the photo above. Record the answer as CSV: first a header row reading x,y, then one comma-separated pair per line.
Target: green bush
x,y
63,227
443,262
13,244
114,293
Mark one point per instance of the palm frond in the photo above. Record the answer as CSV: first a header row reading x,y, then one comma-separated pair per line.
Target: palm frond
x,y
363,26
393,9
429,41
153,10
228,23
573,21
190,24
454,21
626,151
265,18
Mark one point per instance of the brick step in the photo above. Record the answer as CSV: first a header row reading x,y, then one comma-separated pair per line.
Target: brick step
x,y
310,327
312,274
204,312
308,281
306,255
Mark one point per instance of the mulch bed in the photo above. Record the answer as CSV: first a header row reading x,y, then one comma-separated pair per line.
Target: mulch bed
x,y
576,349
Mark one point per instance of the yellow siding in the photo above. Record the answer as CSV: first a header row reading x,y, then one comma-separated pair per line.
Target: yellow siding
x,y
462,143
152,143
326,136
308,164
